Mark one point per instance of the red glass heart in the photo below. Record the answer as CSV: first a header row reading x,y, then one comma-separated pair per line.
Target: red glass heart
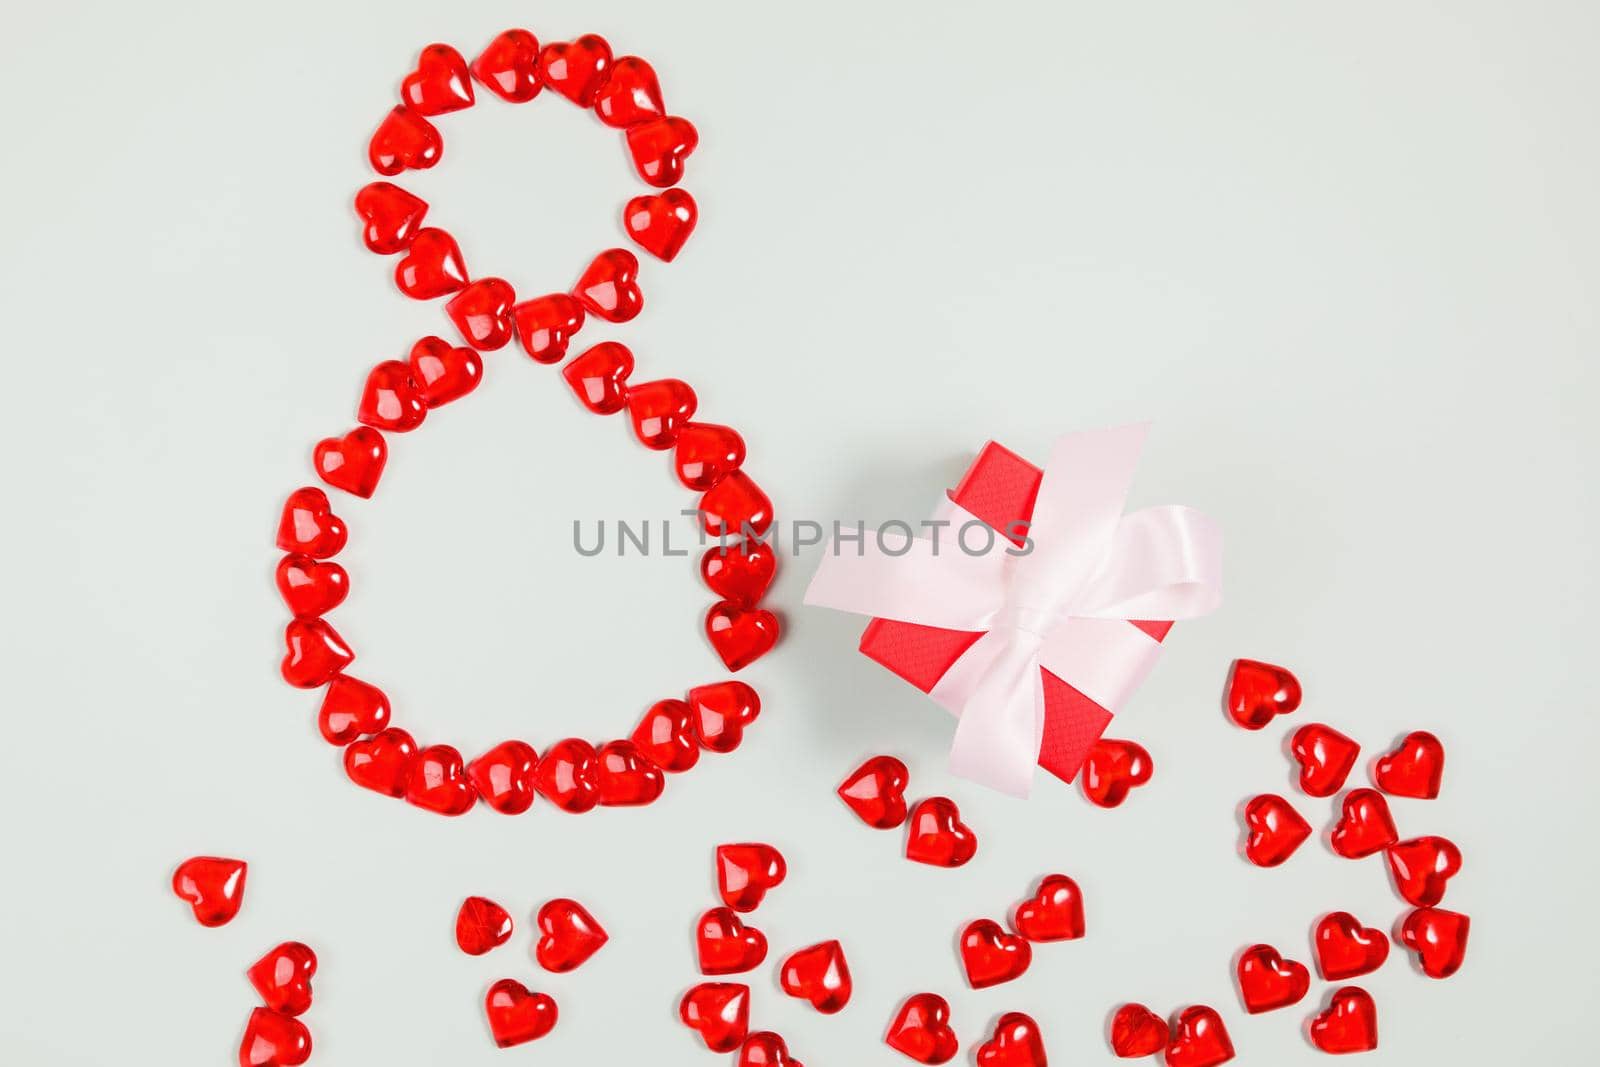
x,y
311,588
350,709
309,526
736,507
565,776
1016,1043
745,872
609,287
721,712
624,777
739,572
991,956
1365,825
661,224
382,762
577,70
1273,830
273,1039
1267,981
726,945
666,736
659,411
1345,948
283,977
740,635
353,462
766,1049
631,94
1350,1023
1420,868
440,83
481,925
719,1012
569,935
517,1016
1438,937
445,372
439,782
1199,1039
1325,757
921,1030
1111,769
599,376
404,140
876,792
503,776
1053,913
432,266
818,974
1413,769
705,453
315,653
213,887
390,216
938,836
482,312
1259,691
392,398
1136,1031
545,326
509,66
659,148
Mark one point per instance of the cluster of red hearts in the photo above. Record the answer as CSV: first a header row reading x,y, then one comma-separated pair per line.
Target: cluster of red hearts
x,y
399,395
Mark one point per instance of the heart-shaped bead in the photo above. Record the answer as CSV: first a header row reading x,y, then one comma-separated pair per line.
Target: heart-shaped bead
x,y
440,82
1016,1043
1267,981
766,1049
1345,948
631,94
404,140
1136,1031
439,782
746,871
1438,937
876,792
1420,868
666,736
565,776
517,1016
719,1012
1198,1039
576,70
273,1039
820,975
509,66
353,462
213,886
1053,913
390,216
739,572
309,526
599,376
568,935
659,147
1273,830
740,635
735,507
350,709
1365,825
1112,769
392,398
625,777
283,977
444,371
432,266
726,945
382,762
482,312
481,925
921,1030
503,776
311,587
545,326
1259,691
609,287
314,653
706,453
938,836
721,712
1349,1024
1325,757
661,223
659,410
991,956
1413,769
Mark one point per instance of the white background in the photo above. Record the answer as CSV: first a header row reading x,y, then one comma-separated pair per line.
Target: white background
x,y
1343,256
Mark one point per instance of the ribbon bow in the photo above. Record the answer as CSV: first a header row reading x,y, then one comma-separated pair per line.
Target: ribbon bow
x,y
1064,606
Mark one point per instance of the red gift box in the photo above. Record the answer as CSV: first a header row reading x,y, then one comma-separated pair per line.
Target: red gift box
x,y
1000,488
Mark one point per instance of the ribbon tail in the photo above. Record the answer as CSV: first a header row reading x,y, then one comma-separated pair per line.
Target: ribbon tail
x,y
1002,721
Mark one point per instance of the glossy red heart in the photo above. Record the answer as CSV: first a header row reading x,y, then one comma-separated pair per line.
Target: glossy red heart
x,y
726,945
766,1049
503,776
1438,937
659,147
576,70
444,371
625,777
1349,1024
1365,825
315,653
721,712
283,977
1273,830
351,708
213,886
1257,692
392,398
382,762
739,572
818,974
516,1015
706,453
1198,1039
661,224
991,956
404,140
735,507
390,216
309,526
599,376
1413,769
1345,948
659,410
1325,757
310,587
353,462
482,312
921,1030
876,791
1136,1031
719,1012
1267,981
609,287
938,836
481,925
432,266
439,782
1053,913
746,871
1112,769
440,82
565,776
1016,1043
666,736
1420,868
631,94
509,66
273,1039
740,635
545,326
568,936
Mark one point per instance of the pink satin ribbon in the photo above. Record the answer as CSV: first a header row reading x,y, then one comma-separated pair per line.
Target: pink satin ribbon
x,y
1064,607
